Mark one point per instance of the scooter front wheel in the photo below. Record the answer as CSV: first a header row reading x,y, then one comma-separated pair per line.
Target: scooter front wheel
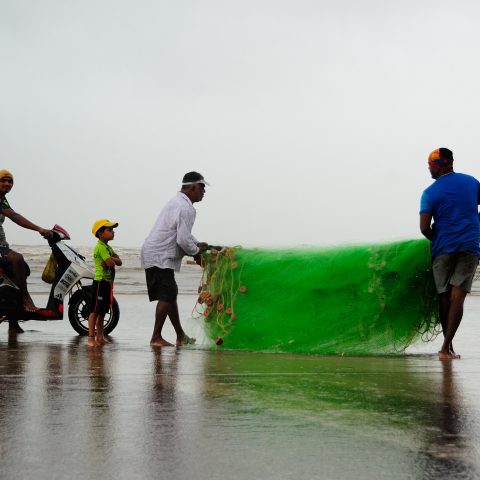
x,y
79,309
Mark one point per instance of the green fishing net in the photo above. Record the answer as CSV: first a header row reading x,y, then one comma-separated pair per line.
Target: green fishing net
x,y
354,300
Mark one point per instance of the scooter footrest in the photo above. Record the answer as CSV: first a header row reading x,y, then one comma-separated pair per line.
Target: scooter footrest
x,y
46,314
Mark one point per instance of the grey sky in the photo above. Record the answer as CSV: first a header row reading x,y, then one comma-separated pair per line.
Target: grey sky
x,y
312,120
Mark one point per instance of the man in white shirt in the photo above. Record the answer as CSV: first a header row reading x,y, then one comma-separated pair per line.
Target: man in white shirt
x,y
168,242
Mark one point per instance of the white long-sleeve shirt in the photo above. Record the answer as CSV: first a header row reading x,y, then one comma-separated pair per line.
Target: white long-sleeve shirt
x,y
171,237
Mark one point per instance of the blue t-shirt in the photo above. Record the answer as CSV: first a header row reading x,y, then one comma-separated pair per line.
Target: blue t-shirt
x,y
453,200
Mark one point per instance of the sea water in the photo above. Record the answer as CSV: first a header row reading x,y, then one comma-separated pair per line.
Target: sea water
x,y
128,411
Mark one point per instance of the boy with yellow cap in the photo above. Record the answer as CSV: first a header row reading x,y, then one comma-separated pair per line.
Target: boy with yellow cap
x,y
105,260
14,259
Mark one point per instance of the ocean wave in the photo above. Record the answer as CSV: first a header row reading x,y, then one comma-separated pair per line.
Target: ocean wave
x,y
130,277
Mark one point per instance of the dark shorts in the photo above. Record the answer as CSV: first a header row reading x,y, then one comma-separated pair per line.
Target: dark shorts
x,y
3,251
161,284
3,256
102,296
5,263
454,269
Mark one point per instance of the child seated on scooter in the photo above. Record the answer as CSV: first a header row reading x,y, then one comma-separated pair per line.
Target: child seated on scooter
x,y
105,260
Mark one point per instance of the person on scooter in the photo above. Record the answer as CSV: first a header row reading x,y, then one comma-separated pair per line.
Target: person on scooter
x,y
14,260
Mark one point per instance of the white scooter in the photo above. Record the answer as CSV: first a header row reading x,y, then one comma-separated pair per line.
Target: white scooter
x,y
69,269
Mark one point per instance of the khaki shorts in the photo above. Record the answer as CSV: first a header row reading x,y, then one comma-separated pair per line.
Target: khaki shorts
x,y
454,270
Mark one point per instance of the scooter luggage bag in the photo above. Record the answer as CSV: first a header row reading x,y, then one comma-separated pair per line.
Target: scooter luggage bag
x,y
48,275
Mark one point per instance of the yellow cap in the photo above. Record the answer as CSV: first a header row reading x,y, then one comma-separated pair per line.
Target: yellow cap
x,y
6,173
103,222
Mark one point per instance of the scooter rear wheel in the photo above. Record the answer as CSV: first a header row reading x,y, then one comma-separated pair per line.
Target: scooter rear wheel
x,y
78,311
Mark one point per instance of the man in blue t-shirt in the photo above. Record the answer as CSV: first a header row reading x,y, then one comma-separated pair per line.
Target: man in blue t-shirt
x,y
451,202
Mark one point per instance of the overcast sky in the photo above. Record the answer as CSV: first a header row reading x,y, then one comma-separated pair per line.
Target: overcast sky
x,y
311,119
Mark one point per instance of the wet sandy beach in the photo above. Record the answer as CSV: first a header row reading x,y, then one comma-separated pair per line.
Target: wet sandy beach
x,y
128,411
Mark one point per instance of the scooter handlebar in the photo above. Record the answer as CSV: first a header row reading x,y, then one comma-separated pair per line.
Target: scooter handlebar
x,y
58,233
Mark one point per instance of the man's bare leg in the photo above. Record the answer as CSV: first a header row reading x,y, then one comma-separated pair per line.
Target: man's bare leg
x,y
14,327
455,314
92,319
444,307
174,316
20,277
100,337
161,313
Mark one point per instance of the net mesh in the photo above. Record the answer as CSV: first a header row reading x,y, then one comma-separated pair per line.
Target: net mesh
x,y
355,300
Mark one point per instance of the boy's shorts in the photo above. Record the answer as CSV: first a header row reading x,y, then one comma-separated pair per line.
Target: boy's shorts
x,y
102,296
161,284
454,269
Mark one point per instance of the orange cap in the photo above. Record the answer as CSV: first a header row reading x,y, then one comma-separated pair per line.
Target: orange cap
x,y
441,158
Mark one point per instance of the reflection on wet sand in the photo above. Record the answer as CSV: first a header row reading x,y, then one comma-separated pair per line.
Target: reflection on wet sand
x,y
163,411
13,362
122,411
449,452
395,404
100,416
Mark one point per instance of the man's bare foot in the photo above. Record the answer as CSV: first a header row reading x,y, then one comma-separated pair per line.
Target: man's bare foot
x,y
447,355
14,327
186,340
28,304
161,343
102,341
91,342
